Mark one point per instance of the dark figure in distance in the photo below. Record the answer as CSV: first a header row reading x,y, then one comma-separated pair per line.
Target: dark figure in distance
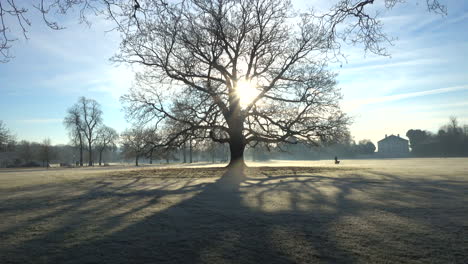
x,y
336,160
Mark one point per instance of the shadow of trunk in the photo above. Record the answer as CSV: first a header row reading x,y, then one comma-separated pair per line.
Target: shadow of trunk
x,y
214,226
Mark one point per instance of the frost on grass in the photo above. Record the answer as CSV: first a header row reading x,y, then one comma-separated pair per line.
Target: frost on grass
x,y
392,211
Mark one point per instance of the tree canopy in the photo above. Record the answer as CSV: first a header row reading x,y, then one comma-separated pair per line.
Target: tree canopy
x,y
451,140
15,17
6,138
237,72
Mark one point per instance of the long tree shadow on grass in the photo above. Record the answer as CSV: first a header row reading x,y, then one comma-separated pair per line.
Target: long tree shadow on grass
x,y
265,215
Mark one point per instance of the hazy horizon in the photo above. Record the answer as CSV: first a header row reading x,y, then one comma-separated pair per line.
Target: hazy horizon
x,y
420,86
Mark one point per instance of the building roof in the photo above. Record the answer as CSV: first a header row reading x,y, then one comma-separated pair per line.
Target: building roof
x,y
393,137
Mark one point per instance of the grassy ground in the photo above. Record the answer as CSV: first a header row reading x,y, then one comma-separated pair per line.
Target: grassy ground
x,y
369,211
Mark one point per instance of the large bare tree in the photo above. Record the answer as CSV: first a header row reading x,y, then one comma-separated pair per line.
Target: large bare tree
x,y
241,72
237,71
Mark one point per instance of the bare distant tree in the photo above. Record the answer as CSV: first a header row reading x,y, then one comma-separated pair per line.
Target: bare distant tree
x,y
7,139
91,116
82,120
46,152
152,139
134,143
25,151
106,140
453,127
4,136
74,123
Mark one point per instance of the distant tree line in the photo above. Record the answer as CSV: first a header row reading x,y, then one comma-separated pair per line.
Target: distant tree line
x,y
140,145
344,147
31,154
143,143
25,153
91,142
88,136
450,141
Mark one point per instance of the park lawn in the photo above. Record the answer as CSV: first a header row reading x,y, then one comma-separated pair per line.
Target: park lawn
x,y
368,211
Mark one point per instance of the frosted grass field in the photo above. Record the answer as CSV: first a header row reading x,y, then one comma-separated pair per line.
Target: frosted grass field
x,y
361,211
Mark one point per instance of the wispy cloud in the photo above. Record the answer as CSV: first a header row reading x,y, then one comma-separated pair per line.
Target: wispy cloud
x,y
115,81
352,105
389,65
41,121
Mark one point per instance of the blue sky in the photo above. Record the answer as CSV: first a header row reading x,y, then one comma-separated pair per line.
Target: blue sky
x,y
423,83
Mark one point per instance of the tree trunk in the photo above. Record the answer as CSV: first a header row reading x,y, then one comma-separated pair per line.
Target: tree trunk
x,y
237,153
136,160
90,162
81,154
100,158
190,150
185,153
151,157
236,142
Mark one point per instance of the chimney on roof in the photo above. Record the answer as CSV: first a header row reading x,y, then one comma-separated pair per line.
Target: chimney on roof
x,y
385,135
398,135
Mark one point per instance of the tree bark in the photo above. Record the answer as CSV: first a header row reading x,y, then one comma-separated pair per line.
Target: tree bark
x,y
236,142
190,146
81,152
81,155
100,157
90,162
185,153
237,153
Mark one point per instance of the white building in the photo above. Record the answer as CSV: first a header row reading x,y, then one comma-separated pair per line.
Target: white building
x,y
393,146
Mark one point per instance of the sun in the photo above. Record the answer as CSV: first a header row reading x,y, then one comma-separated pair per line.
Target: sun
x,y
247,91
